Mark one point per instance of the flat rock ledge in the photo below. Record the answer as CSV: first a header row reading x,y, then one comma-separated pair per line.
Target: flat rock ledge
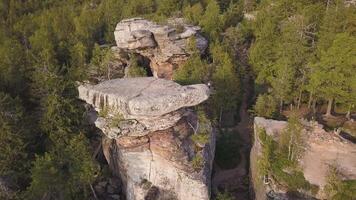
x,y
142,104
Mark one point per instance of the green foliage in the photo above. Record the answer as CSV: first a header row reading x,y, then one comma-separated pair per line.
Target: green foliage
x,y
276,162
14,161
233,15
226,83
338,189
291,142
197,162
65,173
104,112
200,138
297,48
211,20
101,61
204,128
332,77
227,154
194,71
135,70
193,13
224,196
115,120
12,66
167,7
269,146
266,106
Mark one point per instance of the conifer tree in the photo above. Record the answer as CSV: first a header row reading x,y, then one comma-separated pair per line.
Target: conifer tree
x,y
211,20
333,75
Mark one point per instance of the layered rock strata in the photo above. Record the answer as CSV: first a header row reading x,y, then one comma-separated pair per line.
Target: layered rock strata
x,y
166,46
147,140
322,150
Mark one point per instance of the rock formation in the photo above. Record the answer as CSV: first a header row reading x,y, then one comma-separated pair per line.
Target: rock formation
x,y
147,140
166,46
322,150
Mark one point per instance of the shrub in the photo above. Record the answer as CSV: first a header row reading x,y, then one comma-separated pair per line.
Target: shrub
x,y
338,189
228,150
266,106
135,70
116,119
276,163
200,138
197,162
224,196
104,112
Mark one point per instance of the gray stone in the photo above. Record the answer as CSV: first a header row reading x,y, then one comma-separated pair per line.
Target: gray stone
x,y
164,45
142,98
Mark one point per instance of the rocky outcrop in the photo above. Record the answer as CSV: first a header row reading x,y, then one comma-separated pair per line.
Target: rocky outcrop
x,y
145,104
166,46
147,140
322,150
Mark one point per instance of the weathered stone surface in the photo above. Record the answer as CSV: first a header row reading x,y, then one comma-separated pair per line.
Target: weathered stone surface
x,y
164,45
164,162
142,98
322,150
145,122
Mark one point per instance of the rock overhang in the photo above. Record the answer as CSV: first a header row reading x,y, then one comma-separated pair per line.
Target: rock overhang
x,y
143,97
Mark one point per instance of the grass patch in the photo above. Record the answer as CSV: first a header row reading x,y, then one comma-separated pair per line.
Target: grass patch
x,y
200,138
115,120
228,150
104,111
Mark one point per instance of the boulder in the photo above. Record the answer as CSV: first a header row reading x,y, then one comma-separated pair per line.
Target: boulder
x,y
166,46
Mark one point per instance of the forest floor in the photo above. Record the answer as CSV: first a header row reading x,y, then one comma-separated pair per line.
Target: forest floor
x,y
236,180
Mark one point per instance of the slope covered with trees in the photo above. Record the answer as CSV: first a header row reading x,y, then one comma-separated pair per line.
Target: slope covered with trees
x,y
304,52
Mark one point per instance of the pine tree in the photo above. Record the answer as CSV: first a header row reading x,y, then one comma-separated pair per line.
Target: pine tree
x,y
63,173
211,20
14,160
226,83
332,76
193,13
195,70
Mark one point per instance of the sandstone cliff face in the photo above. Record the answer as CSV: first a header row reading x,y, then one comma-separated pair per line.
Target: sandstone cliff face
x,y
147,141
322,150
166,46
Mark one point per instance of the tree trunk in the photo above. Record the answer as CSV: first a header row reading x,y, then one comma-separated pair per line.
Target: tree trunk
x,y
330,105
314,106
310,100
281,107
348,114
299,99
290,147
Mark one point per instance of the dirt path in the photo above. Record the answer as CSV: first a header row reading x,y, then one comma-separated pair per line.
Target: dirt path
x,y
236,180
